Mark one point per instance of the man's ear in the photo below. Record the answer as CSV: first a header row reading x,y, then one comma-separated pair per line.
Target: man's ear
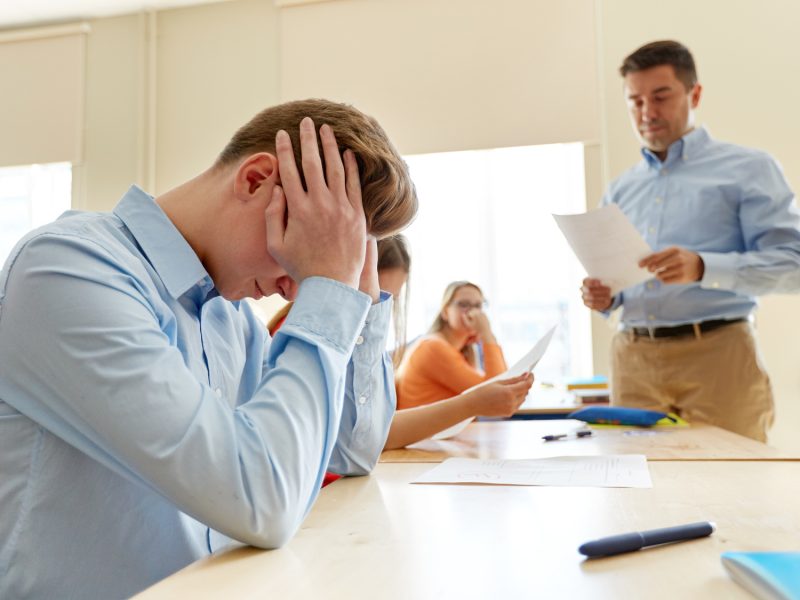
x,y
695,94
256,174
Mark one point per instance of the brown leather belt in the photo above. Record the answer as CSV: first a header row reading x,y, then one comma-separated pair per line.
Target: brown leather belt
x,y
679,330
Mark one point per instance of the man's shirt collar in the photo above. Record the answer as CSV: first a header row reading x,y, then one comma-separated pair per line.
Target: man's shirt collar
x,y
165,248
684,149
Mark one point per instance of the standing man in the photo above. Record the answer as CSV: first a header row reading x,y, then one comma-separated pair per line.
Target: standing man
x,y
143,407
722,220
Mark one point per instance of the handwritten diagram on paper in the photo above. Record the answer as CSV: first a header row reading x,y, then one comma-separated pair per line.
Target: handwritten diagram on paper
x,y
523,365
616,470
607,245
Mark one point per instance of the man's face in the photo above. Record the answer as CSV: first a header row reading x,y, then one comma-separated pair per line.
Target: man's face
x,y
661,108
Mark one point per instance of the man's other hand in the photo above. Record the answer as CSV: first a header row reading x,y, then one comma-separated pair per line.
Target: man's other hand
x,y
596,295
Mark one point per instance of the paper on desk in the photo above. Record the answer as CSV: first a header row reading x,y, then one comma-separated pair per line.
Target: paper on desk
x,y
613,470
523,365
607,245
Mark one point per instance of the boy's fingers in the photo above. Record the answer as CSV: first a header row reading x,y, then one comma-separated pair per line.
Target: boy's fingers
x,y
275,215
290,177
334,169
309,150
353,183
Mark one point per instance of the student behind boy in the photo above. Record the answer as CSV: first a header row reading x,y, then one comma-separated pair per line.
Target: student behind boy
x,y
725,229
497,399
142,405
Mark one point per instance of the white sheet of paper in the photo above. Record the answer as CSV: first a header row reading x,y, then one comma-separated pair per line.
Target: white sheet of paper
x,y
607,245
523,365
613,470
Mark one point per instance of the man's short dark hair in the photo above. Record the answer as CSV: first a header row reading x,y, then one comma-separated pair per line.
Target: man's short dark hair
x,y
665,52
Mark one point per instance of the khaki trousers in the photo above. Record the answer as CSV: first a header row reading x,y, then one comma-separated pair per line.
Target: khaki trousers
x,y
716,378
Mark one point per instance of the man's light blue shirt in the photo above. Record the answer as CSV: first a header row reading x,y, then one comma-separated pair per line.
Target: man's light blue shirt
x,y
138,408
731,205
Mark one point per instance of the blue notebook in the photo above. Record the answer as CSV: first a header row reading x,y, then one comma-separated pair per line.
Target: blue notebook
x,y
767,575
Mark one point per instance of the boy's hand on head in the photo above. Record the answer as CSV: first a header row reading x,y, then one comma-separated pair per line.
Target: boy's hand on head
x,y
325,232
368,282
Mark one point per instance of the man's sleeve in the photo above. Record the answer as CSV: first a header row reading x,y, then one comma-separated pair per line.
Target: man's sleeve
x,y
89,352
370,397
769,223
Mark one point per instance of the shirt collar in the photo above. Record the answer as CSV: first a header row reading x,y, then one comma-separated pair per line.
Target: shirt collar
x,y
163,245
683,149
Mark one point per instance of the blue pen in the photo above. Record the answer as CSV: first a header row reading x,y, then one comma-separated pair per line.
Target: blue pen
x,y
562,436
628,542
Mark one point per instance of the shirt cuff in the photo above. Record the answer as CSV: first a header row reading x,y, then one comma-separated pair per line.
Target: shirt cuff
x,y
719,270
376,329
616,302
331,310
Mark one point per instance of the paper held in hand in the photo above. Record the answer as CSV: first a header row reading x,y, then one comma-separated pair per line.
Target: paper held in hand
x,y
523,365
607,245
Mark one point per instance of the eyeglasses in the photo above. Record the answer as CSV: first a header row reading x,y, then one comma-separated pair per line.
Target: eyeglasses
x,y
465,305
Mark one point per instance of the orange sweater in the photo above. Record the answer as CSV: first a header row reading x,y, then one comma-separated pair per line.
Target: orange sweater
x,y
434,370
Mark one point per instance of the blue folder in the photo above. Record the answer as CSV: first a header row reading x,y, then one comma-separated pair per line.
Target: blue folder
x,y
766,575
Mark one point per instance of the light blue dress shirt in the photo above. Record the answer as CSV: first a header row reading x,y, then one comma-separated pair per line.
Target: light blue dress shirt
x,y
729,204
138,408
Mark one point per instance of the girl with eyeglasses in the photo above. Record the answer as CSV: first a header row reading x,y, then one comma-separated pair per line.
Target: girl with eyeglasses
x,y
445,362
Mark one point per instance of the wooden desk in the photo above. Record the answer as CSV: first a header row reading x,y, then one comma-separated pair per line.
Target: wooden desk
x,y
523,439
380,537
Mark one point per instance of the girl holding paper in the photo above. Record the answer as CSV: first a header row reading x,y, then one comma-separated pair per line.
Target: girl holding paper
x,y
444,362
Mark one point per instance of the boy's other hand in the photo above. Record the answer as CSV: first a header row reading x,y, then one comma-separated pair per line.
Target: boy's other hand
x,y
321,231
368,283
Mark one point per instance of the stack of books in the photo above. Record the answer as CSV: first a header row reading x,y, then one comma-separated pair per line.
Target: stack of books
x,y
589,390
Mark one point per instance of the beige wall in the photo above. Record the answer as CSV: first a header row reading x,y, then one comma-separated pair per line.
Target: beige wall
x,y
166,90
450,75
747,54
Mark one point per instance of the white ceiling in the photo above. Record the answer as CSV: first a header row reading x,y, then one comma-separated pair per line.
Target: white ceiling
x,y
22,13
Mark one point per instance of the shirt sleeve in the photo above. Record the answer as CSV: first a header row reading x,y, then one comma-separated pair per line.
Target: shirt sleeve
x,y
370,397
88,351
769,222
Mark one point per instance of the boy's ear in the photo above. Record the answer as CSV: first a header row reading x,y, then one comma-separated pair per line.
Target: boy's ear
x,y
253,175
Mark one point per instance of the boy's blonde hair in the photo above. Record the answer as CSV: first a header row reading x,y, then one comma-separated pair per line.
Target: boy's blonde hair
x,y
388,194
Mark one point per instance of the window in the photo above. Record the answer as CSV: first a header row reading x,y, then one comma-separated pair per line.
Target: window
x,y
485,216
31,196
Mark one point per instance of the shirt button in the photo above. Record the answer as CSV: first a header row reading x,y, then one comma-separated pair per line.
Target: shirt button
x,y
359,340
651,317
218,393
658,200
362,399
715,284
663,171
649,285
651,229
